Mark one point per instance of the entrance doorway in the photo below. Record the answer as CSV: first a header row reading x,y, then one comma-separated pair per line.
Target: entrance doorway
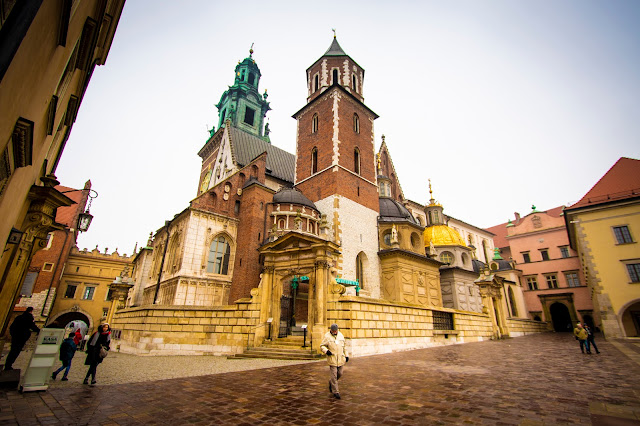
x,y
560,317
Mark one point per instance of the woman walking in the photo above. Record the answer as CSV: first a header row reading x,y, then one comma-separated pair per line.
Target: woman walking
x,y
98,340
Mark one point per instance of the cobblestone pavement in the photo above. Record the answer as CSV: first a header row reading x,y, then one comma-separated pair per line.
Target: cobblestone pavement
x,y
531,380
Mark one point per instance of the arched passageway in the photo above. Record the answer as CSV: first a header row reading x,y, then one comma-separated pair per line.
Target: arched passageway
x,y
631,320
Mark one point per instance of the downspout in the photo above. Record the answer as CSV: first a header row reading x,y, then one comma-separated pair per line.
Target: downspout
x,y
164,254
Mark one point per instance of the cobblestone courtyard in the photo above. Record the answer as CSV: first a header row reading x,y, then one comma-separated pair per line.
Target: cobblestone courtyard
x,y
532,380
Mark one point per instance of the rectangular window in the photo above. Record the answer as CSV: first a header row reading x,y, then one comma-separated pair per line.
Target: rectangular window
x,y
544,254
71,291
88,293
572,279
564,252
552,281
526,257
532,283
105,312
109,295
623,236
47,267
634,272
249,115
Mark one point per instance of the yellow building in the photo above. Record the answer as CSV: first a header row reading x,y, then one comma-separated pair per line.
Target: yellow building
x,y
49,51
604,227
84,293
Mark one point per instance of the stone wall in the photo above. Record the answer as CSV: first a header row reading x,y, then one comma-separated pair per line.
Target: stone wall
x,y
377,326
186,330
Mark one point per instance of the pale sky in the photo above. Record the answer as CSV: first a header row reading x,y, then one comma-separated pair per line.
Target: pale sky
x,y
502,104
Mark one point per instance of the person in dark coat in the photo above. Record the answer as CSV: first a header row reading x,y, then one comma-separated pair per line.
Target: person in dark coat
x,y
590,341
98,340
67,351
20,331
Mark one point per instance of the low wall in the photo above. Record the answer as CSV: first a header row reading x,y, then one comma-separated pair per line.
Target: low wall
x,y
186,330
377,326
521,327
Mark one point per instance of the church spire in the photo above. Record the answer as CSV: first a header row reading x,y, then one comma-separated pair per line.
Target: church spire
x,y
242,103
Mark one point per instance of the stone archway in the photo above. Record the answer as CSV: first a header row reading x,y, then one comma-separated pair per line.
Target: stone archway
x,y
630,319
560,317
66,317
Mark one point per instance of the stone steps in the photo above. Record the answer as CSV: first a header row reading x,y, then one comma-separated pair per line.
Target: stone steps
x,y
289,348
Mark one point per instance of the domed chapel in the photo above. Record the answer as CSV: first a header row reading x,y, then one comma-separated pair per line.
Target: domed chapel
x,y
277,244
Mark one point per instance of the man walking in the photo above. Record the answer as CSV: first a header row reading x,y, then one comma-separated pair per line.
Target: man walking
x,y
333,345
590,342
20,331
581,336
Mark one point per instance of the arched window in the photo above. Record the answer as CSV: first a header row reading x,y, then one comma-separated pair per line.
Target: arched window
x,y
356,123
355,83
252,77
316,84
254,171
361,265
314,123
242,178
219,253
282,224
446,257
512,303
335,76
356,160
314,161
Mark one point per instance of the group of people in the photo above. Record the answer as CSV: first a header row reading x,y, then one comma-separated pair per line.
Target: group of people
x,y
584,335
97,345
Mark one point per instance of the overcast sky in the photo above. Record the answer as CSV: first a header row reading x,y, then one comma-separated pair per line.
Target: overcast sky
x,y
502,104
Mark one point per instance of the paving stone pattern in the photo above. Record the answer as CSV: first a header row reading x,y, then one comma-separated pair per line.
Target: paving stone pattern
x,y
531,380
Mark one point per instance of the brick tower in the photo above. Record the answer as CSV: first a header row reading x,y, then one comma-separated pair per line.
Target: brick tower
x,y
335,157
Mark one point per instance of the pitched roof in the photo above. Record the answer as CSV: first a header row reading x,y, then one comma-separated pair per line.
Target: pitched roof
x,y
620,182
334,49
500,231
280,163
65,215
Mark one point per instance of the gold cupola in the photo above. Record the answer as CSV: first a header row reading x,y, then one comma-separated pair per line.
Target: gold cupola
x,y
437,233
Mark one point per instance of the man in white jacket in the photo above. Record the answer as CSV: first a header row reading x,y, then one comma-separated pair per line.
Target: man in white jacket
x,y
333,345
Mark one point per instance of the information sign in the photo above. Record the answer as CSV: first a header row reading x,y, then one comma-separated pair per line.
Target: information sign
x,y
38,372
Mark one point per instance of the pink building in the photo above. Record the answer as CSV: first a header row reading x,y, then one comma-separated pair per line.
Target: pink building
x,y
554,286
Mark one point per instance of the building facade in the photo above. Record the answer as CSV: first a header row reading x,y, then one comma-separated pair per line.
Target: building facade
x,y
275,242
603,229
48,52
84,292
554,286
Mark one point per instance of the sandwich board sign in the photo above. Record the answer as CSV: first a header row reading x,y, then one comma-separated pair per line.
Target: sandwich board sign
x,y
38,372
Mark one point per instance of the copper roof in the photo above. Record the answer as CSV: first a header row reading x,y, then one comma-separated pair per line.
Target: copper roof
x,y
280,163
620,182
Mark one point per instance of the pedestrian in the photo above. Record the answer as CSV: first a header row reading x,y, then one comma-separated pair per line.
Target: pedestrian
x,y
20,331
77,337
67,351
590,342
581,336
98,344
333,345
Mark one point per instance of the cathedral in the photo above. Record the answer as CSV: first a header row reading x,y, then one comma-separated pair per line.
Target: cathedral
x,y
278,243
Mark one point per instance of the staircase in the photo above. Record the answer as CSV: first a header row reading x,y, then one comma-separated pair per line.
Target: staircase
x,y
289,348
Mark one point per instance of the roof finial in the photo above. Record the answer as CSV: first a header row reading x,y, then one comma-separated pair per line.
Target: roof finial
x,y
251,50
334,32
430,191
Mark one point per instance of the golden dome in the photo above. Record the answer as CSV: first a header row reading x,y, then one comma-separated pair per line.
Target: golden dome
x,y
442,235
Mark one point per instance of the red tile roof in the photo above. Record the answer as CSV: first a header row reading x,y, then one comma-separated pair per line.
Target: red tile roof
x,y
66,215
500,240
620,182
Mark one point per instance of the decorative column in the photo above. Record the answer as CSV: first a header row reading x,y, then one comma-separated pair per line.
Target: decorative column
x,y
266,291
119,291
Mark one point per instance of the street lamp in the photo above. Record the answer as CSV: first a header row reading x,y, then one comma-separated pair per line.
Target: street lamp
x,y
85,218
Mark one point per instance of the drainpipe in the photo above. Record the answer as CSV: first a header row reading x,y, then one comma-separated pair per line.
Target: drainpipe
x,y
164,254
